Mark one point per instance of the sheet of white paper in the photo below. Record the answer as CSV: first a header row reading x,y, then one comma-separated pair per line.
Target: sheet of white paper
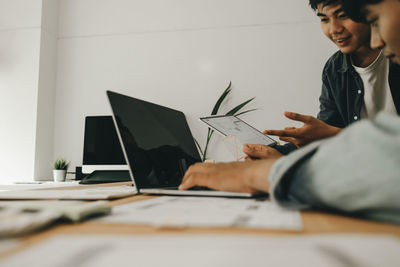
x,y
8,244
14,222
22,217
36,185
207,250
205,212
90,193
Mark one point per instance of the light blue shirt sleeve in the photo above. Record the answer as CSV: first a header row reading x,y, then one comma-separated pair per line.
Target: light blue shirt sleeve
x,y
356,172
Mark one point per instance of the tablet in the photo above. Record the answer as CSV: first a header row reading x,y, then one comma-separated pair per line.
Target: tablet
x,y
232,125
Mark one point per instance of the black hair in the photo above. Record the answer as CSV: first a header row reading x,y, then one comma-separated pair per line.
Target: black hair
x,y
355,9
314,3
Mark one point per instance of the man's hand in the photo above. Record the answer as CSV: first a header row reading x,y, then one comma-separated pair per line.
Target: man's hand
x,y
248,176
260,152
312,130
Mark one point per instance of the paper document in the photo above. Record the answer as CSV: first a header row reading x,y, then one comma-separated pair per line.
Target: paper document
x,y
210,251
84,193
36,185
7,245
18,218
171,211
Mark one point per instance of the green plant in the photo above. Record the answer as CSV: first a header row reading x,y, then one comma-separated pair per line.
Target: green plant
x,y
61,164
234,111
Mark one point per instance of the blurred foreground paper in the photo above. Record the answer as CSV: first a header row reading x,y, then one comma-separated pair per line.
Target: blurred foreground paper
x,y
22,217
80,193
211,250
206,212
8,244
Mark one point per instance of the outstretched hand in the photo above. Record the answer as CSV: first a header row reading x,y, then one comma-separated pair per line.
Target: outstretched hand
x,y
312,130
247,177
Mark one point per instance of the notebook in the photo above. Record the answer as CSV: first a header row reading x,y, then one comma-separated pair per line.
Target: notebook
x,y
158,146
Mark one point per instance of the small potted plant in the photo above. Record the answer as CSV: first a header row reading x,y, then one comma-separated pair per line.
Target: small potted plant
x,y
60,170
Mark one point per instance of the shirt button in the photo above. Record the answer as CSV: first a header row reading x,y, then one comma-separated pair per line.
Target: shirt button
x,y
359,92
355,118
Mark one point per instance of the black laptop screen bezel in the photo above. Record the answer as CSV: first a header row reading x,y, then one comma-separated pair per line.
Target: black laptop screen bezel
x,y
180,156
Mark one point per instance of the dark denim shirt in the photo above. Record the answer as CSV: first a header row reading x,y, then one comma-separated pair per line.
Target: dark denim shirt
x,y
343,93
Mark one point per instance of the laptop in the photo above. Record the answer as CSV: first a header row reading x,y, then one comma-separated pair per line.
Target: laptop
x,y
158,146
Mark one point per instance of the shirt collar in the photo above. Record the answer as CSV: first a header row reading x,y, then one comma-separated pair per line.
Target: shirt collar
x,y
346,63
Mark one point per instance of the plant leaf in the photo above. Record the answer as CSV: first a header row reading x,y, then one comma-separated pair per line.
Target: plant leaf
x,y
209,135
215,110
239,107
221,99
61,164
198,145
244,112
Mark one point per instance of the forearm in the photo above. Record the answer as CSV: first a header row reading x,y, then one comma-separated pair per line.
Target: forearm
x,y
257,179
356,172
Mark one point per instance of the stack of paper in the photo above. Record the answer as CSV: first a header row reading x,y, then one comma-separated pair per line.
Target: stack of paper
x,y
18,218
84,193
206,212
8,245
36,185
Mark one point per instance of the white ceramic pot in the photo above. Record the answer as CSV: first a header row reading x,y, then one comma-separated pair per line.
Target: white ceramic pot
x,y
59,175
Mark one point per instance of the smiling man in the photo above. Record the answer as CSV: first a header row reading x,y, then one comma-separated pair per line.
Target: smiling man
x,y
357,82
355,172
383,16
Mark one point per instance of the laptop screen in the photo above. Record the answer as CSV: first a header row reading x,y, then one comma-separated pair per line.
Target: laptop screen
x,y
157,141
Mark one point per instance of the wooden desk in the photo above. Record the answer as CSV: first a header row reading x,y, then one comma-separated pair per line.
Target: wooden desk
x,y
314,223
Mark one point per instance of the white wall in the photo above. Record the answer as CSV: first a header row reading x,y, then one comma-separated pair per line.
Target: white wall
x,y
178,53
182,54
44,148
20,22
28,51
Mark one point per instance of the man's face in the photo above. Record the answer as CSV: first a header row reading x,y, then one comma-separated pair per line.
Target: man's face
x,y
384,18
348,35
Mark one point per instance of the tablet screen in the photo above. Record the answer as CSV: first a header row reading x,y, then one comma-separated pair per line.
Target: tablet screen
x,y
231,125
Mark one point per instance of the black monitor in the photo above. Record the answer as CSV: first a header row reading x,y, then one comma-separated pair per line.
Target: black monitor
x,y
101,148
